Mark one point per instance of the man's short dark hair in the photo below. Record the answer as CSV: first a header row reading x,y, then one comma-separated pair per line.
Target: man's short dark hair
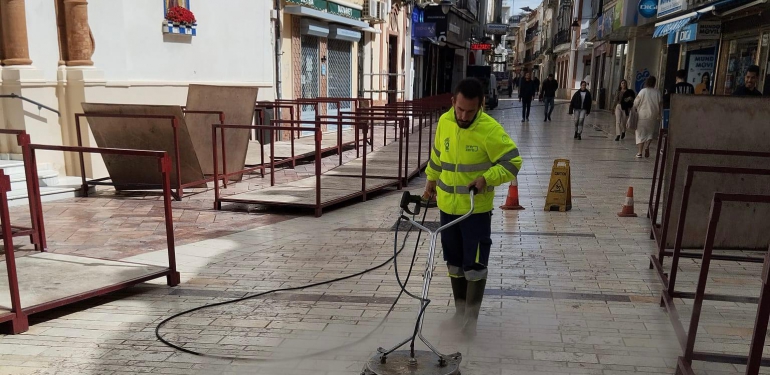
x,y
471,88
681,74
753,69
550,75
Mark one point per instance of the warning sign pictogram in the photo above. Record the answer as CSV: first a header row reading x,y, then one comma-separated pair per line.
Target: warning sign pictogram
x,y
558,187
559,196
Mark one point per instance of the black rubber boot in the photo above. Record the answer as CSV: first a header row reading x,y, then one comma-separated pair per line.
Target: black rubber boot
x,y
474,296
459,291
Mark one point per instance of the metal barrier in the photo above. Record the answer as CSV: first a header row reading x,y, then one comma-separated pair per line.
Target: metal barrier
x,y
36,232
18,317
687,339
319,203
660,233
173,122
657,178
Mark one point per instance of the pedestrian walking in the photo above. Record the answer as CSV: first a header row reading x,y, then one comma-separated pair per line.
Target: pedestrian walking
x,y
471,149
537,85
648,105
527,91
548,92
580,107
624,100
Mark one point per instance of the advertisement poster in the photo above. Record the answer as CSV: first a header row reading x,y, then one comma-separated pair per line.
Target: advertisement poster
x,y
700,69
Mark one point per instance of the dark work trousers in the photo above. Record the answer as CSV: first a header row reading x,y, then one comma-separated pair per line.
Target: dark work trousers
x,y
526,105
467,245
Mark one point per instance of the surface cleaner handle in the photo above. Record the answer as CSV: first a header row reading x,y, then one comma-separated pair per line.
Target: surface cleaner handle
x,y
407,199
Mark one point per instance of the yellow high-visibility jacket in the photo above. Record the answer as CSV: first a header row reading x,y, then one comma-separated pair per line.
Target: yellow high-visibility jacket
x,y
459,156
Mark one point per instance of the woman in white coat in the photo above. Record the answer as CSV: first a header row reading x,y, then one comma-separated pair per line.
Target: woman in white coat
x,y
648,105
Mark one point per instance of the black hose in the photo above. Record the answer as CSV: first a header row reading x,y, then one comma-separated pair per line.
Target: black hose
x,y
403,285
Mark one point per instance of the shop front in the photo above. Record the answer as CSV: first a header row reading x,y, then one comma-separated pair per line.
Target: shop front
x,y
745,42
323,48
446,55
699,50
717,44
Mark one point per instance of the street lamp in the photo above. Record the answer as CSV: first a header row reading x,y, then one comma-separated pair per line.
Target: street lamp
x,y
446,5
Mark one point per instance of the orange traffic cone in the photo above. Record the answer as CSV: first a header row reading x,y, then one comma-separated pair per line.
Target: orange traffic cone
x,y
628,208
512,201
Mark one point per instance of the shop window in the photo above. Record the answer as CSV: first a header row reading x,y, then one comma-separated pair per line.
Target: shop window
x,y
741,54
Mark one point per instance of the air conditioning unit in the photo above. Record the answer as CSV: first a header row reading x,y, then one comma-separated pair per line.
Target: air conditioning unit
x,y
371,10
384,10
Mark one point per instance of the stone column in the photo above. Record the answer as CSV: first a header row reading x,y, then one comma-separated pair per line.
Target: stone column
x,y
80,44
14,24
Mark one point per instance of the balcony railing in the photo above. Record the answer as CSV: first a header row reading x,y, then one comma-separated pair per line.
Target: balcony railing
x,y
561,37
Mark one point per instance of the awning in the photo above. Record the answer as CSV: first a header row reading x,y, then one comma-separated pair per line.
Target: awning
x,y
668,26
665,28
340,33
309,12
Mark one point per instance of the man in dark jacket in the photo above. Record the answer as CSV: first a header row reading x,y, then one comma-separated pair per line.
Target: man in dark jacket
x,y
527,91
549,95
581,107
749,88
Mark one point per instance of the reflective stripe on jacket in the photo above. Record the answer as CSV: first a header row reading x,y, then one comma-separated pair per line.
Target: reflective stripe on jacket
x,y
460,156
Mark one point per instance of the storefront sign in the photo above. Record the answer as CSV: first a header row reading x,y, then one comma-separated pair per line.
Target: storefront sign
x,y
424,30
344,11
316,4
497,28
450,28
616,19
330,7
600,28
709,30
481,46
666,7
609,18
696,31
648,8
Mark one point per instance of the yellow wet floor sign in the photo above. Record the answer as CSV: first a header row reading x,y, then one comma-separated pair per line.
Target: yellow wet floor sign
x,y
559,196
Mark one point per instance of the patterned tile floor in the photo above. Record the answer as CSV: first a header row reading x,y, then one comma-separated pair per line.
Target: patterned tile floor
x,y
568,293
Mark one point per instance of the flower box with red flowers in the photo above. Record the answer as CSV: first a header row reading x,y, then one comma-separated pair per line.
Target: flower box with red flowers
x,y
180,20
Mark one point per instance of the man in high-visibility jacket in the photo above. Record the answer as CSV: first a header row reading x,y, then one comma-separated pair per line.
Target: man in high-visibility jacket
x,y
471,149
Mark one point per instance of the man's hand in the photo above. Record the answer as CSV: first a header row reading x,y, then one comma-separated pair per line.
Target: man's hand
x,y
480,184
430,191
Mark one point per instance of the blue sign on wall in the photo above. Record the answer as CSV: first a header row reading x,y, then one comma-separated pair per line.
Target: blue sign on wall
x,y
641,76
648,8
424,30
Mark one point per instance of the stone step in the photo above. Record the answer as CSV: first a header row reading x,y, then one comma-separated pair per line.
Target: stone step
x,y
69,187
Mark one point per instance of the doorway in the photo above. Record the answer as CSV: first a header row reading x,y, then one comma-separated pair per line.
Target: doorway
x,y
392,68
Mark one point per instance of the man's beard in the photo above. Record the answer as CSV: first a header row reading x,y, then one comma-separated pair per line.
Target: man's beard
x,y
466,124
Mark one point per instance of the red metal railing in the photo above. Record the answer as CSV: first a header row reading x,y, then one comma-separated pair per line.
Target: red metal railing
x,y
37,229
687,339
19,315
172,121
660,234
319,204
